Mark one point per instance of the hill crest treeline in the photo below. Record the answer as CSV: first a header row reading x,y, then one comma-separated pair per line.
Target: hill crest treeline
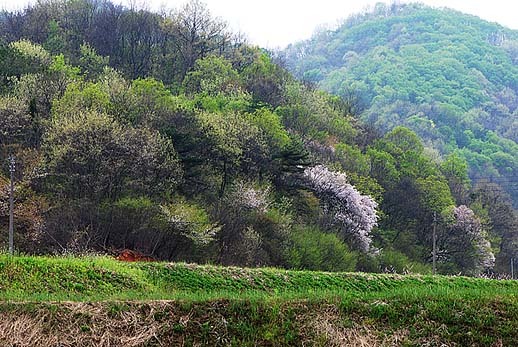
x,y
168,134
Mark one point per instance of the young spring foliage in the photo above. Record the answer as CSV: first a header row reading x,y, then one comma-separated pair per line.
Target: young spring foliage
x,y
166,134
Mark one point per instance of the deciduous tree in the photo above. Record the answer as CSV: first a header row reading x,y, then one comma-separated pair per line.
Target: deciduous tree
x,y
355,214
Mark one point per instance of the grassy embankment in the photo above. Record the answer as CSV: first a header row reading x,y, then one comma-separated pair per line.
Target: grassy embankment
x,y
100,301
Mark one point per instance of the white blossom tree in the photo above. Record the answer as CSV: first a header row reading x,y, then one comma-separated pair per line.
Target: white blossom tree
x,y
355,214
468,245
239,240
247,196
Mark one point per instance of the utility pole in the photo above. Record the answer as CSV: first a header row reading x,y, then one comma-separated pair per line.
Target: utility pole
x,y
512,268
12,168
434,236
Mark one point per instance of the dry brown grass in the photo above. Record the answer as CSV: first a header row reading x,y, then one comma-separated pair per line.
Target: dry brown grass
x,y
82,324
128,324
326,328
213,323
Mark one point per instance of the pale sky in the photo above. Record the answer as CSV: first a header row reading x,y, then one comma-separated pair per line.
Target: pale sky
x,y
276,23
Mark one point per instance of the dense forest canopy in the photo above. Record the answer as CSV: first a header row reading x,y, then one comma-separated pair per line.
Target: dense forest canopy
x,y
168,134
450,77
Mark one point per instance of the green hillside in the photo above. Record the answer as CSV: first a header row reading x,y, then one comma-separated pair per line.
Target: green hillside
x,y
450,77
184,304
164,133
275,215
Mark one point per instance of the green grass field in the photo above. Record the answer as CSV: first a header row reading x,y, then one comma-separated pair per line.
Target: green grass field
x,y
101,302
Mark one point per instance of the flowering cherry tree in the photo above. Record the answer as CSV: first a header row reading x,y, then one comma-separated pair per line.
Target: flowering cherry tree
x,y
353,212
249,197
467,230
240,239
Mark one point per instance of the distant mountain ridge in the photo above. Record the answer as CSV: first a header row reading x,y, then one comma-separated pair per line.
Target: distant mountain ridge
x,y
451,77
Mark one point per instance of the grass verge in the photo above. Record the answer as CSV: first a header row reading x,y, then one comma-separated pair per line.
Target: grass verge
x,y
49,301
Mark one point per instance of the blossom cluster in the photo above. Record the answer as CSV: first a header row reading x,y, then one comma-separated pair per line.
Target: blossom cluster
x,y
353,212
467,222
250,197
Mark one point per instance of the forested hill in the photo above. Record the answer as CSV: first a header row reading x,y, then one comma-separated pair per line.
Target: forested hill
x,y
166,134
450,77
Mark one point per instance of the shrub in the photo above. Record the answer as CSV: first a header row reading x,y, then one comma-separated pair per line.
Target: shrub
x,y
312,249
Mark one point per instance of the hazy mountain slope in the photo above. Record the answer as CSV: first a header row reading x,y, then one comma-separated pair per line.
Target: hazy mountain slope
x,y
451,77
